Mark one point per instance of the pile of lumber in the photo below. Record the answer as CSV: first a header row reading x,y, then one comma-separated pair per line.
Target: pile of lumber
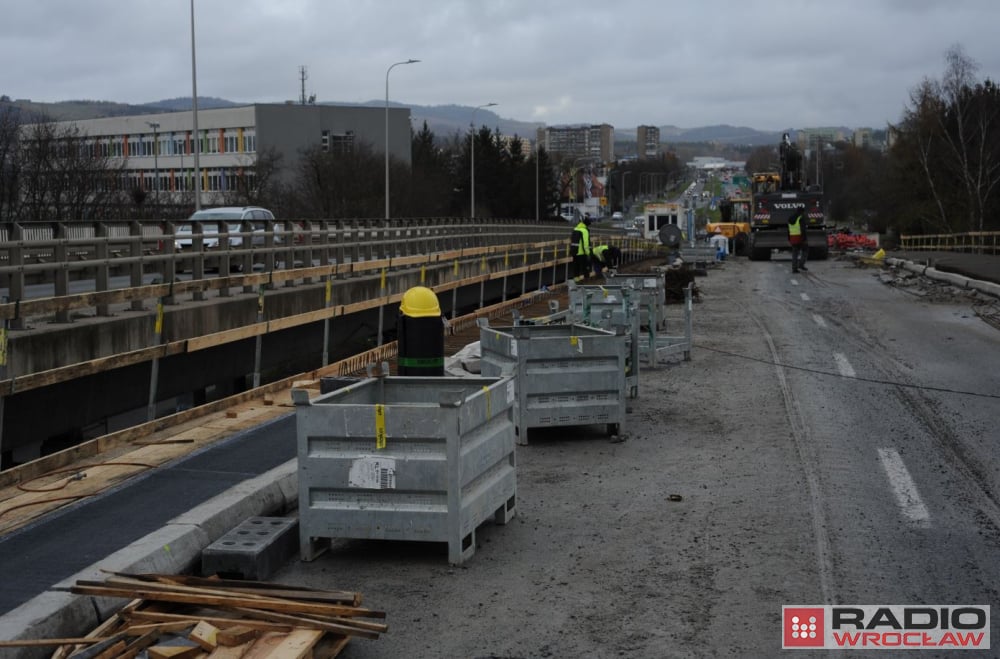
x,y
183,617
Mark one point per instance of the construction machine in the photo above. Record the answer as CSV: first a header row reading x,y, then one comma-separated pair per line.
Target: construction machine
x,y
734,224
776,197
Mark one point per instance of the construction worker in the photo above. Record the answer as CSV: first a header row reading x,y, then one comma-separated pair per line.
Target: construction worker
x,y
721,245
602,257
580,248
799,242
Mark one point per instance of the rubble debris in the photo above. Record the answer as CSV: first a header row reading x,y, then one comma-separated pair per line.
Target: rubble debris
x,y
171,616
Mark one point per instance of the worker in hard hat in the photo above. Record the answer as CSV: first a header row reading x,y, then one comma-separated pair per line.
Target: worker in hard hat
x,y
721,245
580,248
604,256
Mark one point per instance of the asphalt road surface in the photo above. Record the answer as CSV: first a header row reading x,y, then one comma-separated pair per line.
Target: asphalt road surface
x,y
832,441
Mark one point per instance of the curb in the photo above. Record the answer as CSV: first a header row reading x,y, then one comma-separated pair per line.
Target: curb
x,y
987,287
173,549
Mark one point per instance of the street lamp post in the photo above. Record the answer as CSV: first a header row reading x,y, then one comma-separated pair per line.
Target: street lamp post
x,y
391,67
472,160
156,162
624,174
194,114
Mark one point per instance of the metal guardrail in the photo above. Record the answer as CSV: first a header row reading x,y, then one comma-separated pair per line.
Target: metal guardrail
x,y
971,242
141,253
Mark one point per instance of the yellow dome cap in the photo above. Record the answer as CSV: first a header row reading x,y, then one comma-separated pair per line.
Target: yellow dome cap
x,y
420,302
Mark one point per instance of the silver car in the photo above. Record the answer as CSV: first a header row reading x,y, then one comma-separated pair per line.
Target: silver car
x,y
233,217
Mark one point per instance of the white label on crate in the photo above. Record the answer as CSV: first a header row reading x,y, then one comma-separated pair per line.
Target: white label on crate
x,y
510,392
650,283
513,347
579,346
373,473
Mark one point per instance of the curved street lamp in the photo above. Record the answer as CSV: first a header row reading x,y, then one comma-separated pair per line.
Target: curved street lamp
x,y
391,67
472,159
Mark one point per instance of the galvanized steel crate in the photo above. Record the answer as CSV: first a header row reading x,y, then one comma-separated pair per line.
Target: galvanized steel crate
x,y
406,458
652,289
565,375
654,341
609,308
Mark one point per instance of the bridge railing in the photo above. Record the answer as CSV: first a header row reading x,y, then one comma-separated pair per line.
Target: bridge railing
x,y
970,242
43,260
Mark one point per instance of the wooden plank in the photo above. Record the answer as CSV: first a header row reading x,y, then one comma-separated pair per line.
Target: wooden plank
x,y
48,642
337,625
255,587
174,652
330,646
296,645
231,651
205,634
227,336
219,621
284,606
263,645
113,652
236,635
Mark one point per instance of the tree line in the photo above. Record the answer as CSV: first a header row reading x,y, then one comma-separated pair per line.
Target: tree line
x,y
48,173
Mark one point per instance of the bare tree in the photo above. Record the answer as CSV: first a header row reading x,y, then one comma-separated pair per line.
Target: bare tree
x,y
10,164
954,128
257,180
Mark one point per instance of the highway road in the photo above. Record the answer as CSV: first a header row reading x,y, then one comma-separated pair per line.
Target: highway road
x,y
832,442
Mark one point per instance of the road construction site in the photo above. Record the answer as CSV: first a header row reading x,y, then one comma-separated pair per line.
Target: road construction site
x,y
731,492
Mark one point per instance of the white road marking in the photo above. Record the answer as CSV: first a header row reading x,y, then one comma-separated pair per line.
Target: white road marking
x,y
805,298
903,487
843,365
819,320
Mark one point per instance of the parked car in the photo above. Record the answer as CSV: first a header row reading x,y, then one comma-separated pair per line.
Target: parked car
x,y
233,217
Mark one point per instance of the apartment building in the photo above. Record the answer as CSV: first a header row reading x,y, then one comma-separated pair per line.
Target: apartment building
x,y
647,139
595,142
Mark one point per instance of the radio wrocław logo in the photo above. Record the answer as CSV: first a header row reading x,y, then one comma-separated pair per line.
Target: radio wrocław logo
x,y
891,627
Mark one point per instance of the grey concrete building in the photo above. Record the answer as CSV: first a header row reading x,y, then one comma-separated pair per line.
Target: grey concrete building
x,y
232,138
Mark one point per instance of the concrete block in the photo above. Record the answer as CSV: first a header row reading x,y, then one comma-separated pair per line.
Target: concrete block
x,y
252,550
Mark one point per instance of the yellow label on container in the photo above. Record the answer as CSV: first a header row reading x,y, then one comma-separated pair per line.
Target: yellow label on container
x,y
423,274
380,426
3,346
383,278
573,340
329,291
456,267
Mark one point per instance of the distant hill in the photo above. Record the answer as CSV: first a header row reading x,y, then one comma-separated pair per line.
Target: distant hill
x,y
445,121
78,110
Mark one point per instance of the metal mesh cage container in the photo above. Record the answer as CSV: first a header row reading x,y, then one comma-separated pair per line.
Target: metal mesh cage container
x,y
406,458
565,375
609,309
652,296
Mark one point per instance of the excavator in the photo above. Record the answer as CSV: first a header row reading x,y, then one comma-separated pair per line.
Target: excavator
x,y
776,197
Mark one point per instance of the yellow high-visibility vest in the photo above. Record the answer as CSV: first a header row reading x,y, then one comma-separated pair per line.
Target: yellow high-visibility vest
x,y
795,226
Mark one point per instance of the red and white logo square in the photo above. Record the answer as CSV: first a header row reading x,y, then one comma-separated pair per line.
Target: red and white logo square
x,y
802,627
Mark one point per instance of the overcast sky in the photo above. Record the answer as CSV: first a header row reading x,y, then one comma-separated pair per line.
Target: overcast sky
x,y
760,63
